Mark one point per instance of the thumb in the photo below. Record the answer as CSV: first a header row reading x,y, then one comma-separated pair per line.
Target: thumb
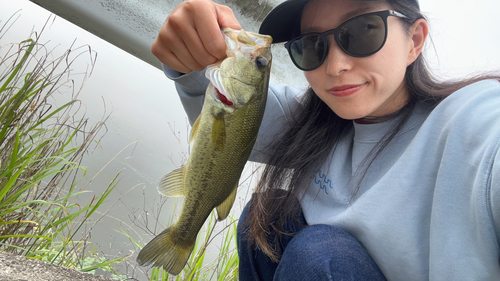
x,y
226,18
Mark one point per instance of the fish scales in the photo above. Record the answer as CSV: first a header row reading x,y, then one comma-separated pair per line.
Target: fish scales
x,y
224,135
212,196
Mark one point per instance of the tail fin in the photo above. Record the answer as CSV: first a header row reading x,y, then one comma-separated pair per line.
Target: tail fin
x,y
164,251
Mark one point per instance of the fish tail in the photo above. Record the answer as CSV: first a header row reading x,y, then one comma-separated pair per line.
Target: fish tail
x,y
165,251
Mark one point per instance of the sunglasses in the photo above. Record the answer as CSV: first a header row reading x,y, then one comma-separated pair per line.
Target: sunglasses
x,y
361,36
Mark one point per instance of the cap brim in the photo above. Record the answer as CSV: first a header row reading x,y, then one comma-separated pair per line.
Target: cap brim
x,y
283,20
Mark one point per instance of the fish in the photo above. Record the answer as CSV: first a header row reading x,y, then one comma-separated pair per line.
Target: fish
x,y
223,137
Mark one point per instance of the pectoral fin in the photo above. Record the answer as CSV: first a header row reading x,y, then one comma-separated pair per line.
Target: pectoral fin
x,y
224,208
194,130
218,132
172,185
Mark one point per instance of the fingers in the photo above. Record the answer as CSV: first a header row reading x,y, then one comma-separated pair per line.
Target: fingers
x,y
190,39
174,56
210,33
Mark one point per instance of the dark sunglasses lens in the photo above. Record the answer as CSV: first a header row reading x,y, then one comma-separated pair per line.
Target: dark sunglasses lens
x,y
360,37
308,52
363,36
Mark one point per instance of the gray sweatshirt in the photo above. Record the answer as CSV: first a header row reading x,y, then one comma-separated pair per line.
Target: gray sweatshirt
x,y
429,206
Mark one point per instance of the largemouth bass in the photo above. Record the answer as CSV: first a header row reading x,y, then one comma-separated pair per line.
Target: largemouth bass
x,y
224,135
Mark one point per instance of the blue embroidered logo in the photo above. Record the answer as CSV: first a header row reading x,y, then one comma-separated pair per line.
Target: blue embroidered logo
x,y
323,182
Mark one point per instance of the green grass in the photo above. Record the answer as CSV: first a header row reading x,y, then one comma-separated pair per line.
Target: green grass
x,y
41,148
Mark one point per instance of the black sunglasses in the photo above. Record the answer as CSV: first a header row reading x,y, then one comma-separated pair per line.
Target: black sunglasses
x,y
361,36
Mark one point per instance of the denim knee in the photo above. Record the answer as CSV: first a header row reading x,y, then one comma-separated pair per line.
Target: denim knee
x,y
325,252
254,264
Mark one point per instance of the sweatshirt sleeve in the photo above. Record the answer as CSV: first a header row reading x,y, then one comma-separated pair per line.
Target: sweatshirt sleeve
x,y
282,100
191,89
495,193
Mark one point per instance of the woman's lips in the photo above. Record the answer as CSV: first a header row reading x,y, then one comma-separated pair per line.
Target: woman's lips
x,y
345,90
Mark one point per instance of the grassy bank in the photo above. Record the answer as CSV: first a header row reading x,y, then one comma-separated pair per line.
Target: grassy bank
x,y
41,147
45,210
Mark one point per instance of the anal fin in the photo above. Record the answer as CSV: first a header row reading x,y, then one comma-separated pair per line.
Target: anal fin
x,y
225,207
172,185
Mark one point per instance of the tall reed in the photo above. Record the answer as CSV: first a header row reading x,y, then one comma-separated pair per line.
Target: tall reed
x,y
41,147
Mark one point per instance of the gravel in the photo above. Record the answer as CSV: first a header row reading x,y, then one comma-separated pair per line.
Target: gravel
x,y
18,268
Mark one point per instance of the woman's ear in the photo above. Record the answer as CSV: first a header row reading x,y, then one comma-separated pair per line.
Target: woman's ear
x,y
418,34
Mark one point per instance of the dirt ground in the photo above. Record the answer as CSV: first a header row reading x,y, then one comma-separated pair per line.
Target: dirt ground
x,y
18,268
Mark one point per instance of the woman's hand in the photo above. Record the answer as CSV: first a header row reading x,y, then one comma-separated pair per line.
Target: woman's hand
x,y
190,39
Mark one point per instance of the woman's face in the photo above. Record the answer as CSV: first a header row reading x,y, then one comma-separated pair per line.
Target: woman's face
x,y
358,87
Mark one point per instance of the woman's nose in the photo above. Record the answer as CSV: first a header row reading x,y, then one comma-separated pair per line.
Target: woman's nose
x,y
337,61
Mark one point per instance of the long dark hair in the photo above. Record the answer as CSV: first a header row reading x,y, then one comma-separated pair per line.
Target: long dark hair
x,y
313,137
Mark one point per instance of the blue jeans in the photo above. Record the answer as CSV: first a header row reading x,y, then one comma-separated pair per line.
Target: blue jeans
x,y
316,252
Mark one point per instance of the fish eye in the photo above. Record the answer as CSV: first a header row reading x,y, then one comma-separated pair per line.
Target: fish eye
x,y
261,62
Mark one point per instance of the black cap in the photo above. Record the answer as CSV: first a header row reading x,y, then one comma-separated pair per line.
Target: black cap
x,y
283,22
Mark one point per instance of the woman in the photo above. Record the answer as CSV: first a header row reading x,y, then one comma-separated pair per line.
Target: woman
x,y
376,170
